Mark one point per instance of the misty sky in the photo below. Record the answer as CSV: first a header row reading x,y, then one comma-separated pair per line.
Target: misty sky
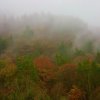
x,y
87,10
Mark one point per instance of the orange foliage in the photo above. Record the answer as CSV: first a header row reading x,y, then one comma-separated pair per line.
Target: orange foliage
x,y
75,94
45,67
6,91
44,62
9,69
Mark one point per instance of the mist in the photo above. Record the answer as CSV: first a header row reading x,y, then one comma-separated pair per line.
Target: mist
x,y
49,50
52,19
87,10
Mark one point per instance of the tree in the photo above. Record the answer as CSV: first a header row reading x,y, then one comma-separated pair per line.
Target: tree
x,y
75,94
3,45
64,53
25,65
90,73
88,47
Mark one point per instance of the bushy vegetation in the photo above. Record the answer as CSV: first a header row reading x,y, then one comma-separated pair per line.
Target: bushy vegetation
x,y
36,67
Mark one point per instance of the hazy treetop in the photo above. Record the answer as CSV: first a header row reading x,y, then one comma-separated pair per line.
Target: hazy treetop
x,y
87,10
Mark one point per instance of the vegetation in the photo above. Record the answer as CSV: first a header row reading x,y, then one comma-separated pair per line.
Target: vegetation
x,y
37,67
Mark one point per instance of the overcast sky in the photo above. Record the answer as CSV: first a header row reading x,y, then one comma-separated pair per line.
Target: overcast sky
x,y
87,10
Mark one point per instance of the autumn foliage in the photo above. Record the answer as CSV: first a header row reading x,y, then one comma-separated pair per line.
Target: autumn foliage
x,y
45,67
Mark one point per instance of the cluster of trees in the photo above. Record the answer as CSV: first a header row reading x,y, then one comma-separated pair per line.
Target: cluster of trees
x,y
35,65
59,76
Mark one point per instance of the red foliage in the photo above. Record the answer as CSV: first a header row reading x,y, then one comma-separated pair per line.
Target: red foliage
x,y
6,91
44,62
76,94
45,67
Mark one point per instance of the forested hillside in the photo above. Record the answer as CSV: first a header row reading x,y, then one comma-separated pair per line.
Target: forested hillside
x,y
47,57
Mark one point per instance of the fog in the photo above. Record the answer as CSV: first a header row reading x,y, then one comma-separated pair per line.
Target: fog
x,y
87,10
51,21
49,50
